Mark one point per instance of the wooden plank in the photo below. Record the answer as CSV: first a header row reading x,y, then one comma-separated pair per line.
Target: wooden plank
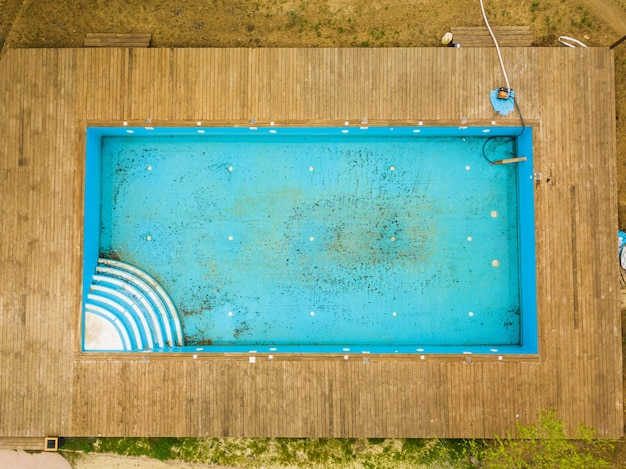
x,y
22,443
117,40
507,36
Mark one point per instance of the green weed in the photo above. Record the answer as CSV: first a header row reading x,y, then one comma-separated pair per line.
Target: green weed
x,y
541,445
545,445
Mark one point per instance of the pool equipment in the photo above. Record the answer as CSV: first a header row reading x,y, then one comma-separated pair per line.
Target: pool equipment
x,y
502,100
617,43
503,93
448,40
570,42
510,160
621,242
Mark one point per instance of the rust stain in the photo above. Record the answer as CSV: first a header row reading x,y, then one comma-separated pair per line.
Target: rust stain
x,y
111,254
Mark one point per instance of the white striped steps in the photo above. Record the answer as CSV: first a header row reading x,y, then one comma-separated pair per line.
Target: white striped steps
x,y
134,309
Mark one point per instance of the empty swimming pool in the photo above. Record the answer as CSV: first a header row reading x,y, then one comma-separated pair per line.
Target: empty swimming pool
x,y
340,240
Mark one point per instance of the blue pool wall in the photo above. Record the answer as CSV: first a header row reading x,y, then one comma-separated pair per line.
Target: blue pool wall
x,y
525,194
526,236
91,240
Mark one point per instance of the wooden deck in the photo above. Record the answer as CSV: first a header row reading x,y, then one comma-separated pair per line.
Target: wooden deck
x,y
47,99
478,36
117,40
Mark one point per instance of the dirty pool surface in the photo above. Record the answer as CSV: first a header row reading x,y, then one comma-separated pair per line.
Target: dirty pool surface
x,y
320,237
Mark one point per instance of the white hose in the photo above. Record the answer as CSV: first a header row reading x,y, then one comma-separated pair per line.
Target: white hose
x,y
570,41
506,78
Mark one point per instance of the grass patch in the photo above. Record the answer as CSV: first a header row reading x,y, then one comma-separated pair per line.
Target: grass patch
x,y
545,445
375,453
540,445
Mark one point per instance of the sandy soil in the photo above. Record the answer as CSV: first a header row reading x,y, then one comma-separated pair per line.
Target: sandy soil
x,y
112,461
23,460
304,23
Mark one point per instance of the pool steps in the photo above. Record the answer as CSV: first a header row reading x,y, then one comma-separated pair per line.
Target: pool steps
x,y
118,325
135,305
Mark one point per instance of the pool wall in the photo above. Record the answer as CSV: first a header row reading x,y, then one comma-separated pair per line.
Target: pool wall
x,y
91,248
528,285
526,235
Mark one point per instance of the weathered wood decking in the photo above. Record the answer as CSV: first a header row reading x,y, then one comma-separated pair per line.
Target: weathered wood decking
x,y
117,40
478,36
47,387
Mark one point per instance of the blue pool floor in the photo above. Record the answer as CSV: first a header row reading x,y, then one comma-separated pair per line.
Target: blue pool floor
x,y
309,241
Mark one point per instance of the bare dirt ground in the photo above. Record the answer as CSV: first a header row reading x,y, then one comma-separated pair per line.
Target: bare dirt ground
x,y
304,23
113,461
24,460
316,23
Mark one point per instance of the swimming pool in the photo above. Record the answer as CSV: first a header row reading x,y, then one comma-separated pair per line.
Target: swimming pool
x,y
340,240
